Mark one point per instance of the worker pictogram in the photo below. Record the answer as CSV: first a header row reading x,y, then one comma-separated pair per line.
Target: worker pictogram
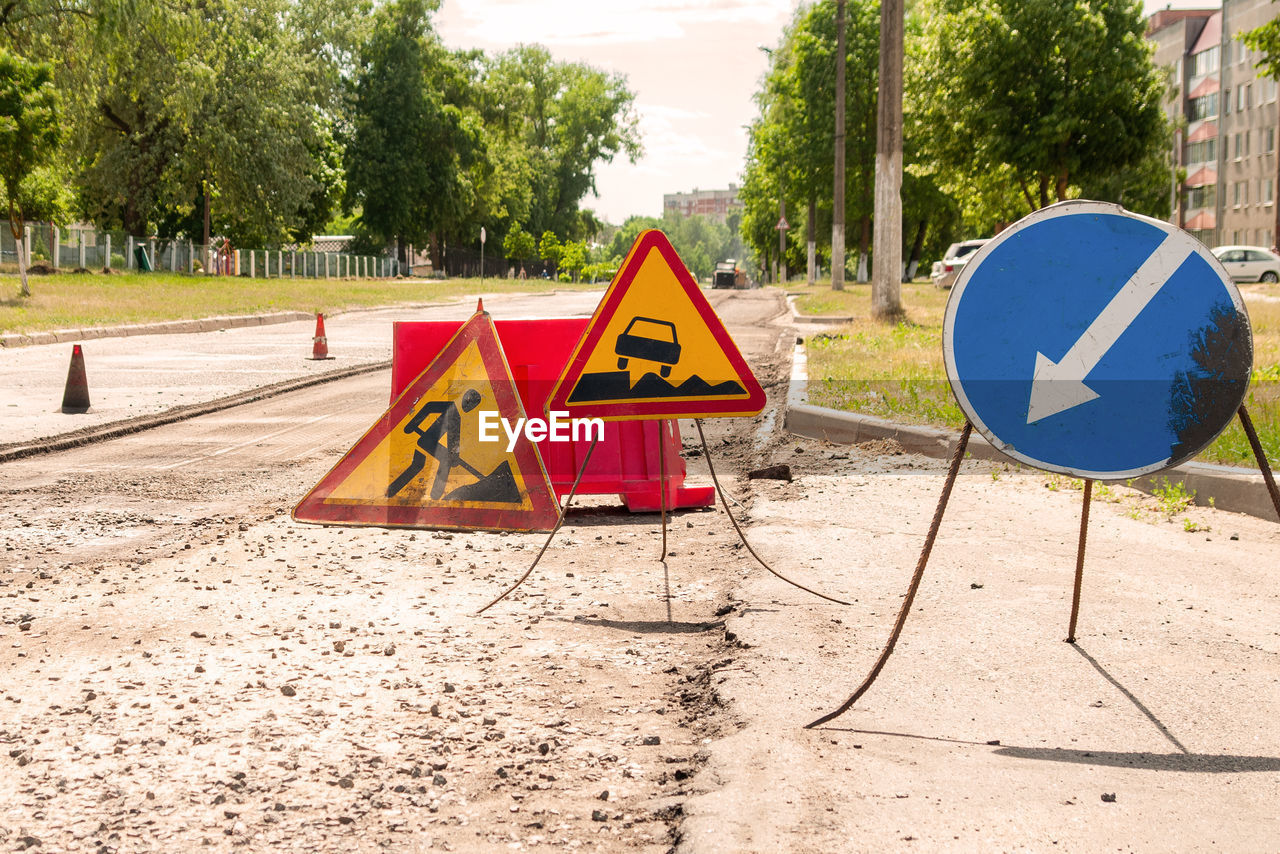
x,y
655,348
425,464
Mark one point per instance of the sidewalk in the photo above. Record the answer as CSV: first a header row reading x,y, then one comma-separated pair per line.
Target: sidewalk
x,y
142,376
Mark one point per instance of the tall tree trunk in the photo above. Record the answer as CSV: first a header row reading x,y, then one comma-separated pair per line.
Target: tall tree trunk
x,y
917,246
134,223
204,191
1044,191
782,241
886,282
811,258
17,227
22,268
864,243
1026,194
837,207
1061,188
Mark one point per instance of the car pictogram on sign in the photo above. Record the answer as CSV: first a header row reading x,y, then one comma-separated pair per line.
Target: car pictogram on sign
x,y
654,341
630,365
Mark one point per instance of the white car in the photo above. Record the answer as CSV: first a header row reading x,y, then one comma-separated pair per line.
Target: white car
x,y
946,271
1249,263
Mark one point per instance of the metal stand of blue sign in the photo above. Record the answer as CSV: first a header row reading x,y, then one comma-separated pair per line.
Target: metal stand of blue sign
x,y
1109,363
1252,435
1245,421
952,471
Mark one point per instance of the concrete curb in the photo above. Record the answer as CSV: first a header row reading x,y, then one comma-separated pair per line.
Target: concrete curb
x,y
849,428
207,324
830,319
1238,490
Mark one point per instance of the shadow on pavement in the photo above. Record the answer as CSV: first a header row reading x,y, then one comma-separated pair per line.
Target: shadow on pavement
x,y
1132,699
1195,763
646,626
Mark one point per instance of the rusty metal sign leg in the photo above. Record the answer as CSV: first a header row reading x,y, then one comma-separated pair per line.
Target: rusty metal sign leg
x,y
662,487
724,501
563,511
662,504
952,472
1084,531
1263,465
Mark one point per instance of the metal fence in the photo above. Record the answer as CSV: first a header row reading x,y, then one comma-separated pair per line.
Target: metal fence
x,y
466,262
75,248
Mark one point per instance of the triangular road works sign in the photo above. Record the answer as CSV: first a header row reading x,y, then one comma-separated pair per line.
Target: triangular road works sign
x,y
655,348
438,457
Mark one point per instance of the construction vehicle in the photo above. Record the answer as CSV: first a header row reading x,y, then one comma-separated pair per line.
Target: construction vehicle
x,y
728,275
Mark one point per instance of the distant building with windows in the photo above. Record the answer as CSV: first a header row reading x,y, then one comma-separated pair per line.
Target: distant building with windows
x,y
716,204
1226,139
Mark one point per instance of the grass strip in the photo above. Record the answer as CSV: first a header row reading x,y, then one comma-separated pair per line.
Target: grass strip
x,y
83,300
895,371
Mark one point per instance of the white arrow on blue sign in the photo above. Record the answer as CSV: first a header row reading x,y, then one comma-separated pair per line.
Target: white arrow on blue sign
x,y
1088,340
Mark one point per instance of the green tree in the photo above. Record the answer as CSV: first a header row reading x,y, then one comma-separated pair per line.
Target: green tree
x,y
29,137
930,217
573,257
789,154
1266,40
519,244
1061,95
45,29
211,116
620,244
700,241
410,148
549,248
561,120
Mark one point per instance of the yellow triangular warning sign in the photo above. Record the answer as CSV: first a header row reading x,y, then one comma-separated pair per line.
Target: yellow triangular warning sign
x,y
439,456
655,348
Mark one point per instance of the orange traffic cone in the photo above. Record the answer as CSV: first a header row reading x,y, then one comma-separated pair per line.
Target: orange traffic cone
x,y
75,399
320,349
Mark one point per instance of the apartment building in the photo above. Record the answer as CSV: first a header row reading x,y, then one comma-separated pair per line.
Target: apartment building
x,y
710,203
1228,119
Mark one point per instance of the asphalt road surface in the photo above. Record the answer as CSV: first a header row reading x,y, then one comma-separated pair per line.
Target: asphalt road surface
x,y
188,669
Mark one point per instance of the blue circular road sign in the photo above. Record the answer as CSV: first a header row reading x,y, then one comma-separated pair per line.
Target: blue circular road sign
x,y
1088,340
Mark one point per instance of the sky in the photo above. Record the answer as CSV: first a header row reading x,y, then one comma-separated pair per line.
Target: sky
x,y
693,64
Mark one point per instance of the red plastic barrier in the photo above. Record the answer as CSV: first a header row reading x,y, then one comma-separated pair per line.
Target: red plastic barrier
x,y
625,462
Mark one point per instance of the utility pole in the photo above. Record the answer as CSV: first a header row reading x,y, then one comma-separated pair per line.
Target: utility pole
x,y
811,254
837,202
204,191
886,274
782,227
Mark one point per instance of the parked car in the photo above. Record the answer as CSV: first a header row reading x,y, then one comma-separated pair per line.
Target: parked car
x,y
1249,263
946,271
